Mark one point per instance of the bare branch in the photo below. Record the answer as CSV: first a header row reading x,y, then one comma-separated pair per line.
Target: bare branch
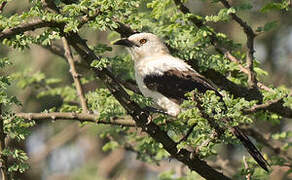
x,y
248,176
76,76
276,106
250,35
215,42
29,26
82,117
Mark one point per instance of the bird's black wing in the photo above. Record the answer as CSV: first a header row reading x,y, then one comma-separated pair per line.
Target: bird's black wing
x,y
175,84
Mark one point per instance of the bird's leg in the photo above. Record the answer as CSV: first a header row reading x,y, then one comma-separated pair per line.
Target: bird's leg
x,y
154,110
185,137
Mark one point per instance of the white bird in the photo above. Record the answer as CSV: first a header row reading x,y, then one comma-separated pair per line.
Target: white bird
x,y
166,79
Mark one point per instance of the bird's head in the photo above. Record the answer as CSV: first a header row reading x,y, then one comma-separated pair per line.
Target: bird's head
x,y
143,45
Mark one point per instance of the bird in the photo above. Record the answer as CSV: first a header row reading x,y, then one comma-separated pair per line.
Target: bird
x,y
166,79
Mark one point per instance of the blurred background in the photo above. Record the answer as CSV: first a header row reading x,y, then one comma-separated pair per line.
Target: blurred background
x,y
67,150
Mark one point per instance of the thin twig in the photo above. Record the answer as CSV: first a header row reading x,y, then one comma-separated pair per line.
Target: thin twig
x,y
276,105
250,35
82,117
216,43
75,75
248,176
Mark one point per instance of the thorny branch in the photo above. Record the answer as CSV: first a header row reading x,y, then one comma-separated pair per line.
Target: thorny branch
x,y
82,117
216,43
250,35
140,117
75,75
275,105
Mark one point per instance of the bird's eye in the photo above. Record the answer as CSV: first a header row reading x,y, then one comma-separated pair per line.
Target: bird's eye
x,y
143,41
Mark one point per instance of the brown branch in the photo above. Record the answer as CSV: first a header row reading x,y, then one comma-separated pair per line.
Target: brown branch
x,y
248,176
141,117
81,117
29,26
76,76
216,43
3,159
250,35
276,106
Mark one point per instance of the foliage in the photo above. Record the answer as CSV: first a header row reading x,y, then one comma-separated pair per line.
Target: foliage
x,y
186,40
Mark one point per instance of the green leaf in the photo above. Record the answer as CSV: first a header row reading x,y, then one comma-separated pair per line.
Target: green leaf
x,y
110,146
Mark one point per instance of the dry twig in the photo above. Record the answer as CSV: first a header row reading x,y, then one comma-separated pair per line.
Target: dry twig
x,y
248,176
76,76
82,117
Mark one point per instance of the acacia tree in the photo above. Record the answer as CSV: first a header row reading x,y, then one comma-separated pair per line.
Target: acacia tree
x,y
63,27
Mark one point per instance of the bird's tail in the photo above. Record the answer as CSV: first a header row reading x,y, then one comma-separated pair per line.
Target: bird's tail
x,y
253,151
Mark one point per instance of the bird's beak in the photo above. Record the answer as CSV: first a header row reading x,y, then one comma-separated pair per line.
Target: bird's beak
x,y
125,42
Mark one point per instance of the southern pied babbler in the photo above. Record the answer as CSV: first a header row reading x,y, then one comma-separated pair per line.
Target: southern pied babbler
x,y
166,79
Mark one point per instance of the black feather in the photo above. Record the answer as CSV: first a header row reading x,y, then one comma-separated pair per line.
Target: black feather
x,y
175,84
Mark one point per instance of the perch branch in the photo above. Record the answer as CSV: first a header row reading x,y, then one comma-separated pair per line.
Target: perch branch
x,y
75,76
81,117
248,176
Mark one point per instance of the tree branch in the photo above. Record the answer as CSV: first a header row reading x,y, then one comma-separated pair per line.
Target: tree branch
x,y
248,176
81,117
250,35
75,76
276,106
216,43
